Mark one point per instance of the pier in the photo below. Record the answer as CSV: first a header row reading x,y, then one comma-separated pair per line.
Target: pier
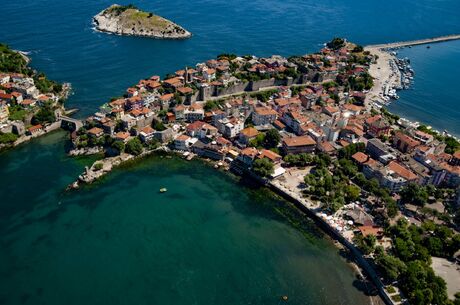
x,y
402,44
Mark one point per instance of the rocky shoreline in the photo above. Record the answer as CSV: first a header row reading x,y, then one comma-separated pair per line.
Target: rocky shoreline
x,y
128,20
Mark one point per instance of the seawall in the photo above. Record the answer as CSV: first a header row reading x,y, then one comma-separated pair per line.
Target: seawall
x,y
359,259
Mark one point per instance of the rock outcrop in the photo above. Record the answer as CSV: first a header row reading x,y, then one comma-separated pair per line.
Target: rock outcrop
x,y
128,20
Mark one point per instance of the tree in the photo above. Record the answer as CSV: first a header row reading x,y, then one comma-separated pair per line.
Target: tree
x,y
336,43
158,125
119,145
415,194
272,138
134,147
7,138
301,159
358,49
44,115
352,192
392,209
258,141
263,167
366,244
391,266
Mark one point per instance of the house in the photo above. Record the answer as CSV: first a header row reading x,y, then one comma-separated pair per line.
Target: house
x,y
402,171
230,128
179,112
146,134
122,136
209,74
404,143
35,129
164,135
326,147
360,158
185,90
272,156
28,103
96,132
17,96
394,176
6,97
360,217
182,142
175,82
4,78
193,114
423,137
378,150
376,126
352,108
201,129
109,127
207,149
247,135
302,144
371,230
263,116
165,100
248,155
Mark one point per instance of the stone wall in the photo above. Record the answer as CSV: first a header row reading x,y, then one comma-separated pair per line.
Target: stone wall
x,y
209,92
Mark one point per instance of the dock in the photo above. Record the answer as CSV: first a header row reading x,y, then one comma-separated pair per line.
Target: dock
x,y
402,44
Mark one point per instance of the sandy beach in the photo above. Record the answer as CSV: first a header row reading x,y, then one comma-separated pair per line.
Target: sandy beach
x,y
383,74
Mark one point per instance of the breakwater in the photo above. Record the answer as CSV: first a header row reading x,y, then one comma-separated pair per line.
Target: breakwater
x,y
402,44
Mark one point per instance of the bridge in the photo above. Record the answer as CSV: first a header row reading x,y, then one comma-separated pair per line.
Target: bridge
x,y
70,123
413,42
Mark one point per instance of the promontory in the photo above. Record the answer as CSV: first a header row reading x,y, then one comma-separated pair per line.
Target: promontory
x,y
129,20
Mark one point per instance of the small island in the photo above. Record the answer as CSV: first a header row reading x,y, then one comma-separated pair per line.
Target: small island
x,y
129,20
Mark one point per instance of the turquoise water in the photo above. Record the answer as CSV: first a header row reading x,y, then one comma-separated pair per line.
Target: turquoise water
x,y
208,240
433,99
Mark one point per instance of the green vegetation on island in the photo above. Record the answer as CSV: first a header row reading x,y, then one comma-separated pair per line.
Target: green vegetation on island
x,y
129,20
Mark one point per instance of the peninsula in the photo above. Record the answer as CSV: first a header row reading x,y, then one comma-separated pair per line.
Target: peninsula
x,y
309,128
30,104
129,20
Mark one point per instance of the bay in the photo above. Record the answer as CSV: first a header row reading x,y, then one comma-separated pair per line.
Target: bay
x,y
433,99
208,240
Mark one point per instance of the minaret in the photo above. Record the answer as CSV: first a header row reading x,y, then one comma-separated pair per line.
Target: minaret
x,y
186,75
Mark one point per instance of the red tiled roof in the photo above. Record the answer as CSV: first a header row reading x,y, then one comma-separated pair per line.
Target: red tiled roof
x,y
402,171
249,132
298,141
360,157
270,155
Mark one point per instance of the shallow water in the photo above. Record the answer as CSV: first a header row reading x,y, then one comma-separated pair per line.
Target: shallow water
x,y
207,240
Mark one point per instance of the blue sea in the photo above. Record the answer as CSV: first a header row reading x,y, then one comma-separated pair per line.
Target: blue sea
x,y
209,239
62,42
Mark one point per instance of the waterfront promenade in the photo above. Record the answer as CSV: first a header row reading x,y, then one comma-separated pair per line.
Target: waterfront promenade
x,y
313,211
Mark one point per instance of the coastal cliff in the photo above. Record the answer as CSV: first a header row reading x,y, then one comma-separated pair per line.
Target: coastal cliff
x,y
128,20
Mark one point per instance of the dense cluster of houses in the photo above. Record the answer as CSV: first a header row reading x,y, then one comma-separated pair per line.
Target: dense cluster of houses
x,y
320,116
20,91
